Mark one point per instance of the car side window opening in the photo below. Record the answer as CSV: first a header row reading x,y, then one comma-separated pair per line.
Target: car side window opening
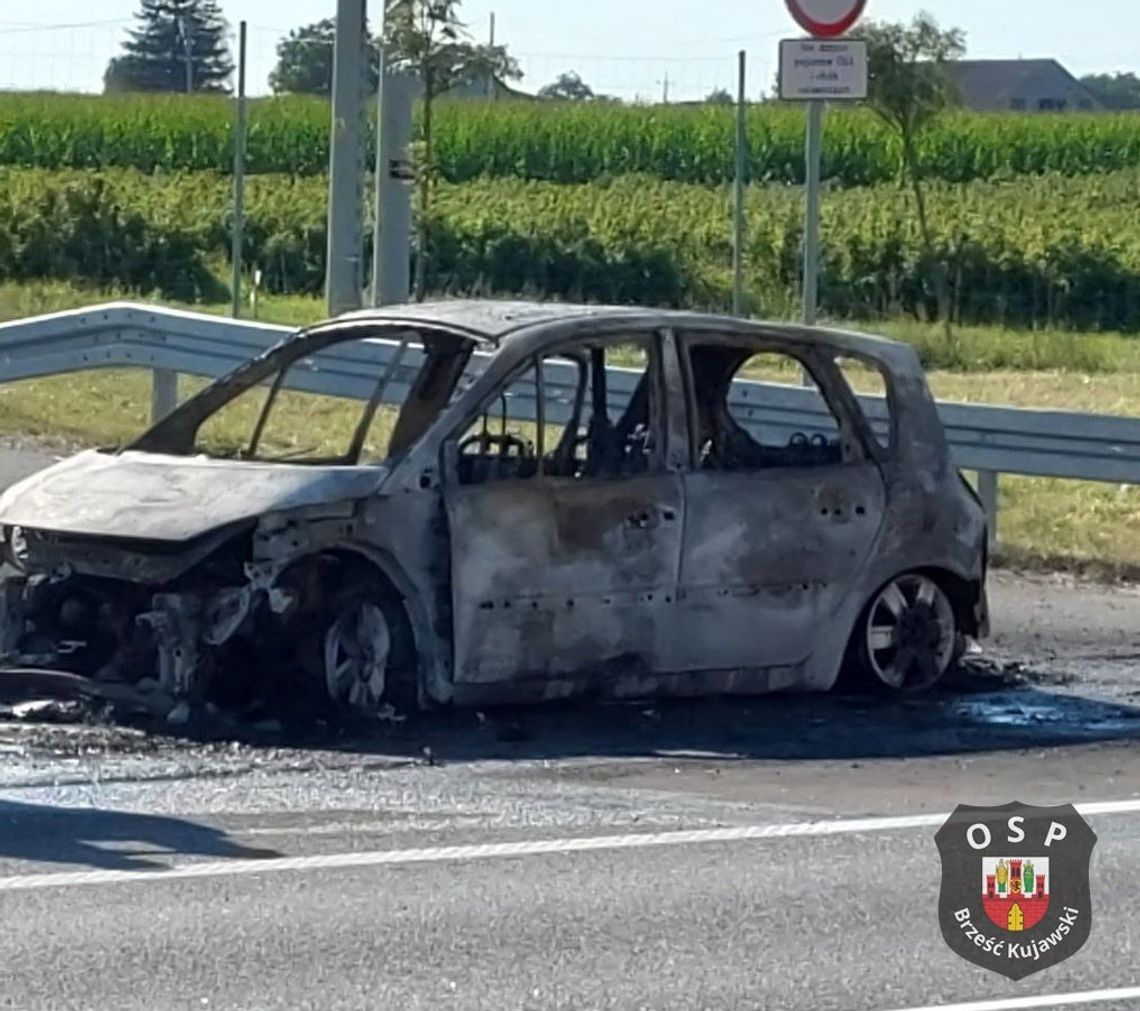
x,y
867,379
738,429
589,411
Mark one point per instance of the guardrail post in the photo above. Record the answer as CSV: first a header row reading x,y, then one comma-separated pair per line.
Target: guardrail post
x,y
988,493
163,394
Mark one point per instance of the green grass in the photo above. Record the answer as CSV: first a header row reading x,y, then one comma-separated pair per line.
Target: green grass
x,y
1044,523
564,143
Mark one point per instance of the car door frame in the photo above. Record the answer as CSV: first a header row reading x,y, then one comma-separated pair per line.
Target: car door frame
x,y
620,624
782,605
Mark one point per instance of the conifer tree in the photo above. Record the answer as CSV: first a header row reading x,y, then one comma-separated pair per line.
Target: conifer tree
x,y
179,45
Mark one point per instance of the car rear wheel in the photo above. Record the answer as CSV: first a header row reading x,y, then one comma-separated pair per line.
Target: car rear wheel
x,y
909,634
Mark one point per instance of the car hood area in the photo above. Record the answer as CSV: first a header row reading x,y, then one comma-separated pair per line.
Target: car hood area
x,y
151,496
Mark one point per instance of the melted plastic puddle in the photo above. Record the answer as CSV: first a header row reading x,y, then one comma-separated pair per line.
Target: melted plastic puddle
x,y
1065,714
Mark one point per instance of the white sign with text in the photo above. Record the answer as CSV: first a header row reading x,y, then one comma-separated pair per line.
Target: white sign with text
x,y
817,70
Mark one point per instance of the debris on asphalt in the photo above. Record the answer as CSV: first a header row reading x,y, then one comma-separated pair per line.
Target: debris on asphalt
x,y
50,711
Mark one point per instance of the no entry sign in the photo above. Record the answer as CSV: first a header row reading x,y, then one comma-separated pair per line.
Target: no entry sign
x,y
826,19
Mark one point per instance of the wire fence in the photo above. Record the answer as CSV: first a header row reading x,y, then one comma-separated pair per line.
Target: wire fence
x,y
73,58
63,57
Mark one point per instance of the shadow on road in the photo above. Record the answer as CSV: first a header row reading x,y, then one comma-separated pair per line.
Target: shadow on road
x,y
108,840
979,710
975,713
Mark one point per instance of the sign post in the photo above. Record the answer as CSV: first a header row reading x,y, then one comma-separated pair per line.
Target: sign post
x,y
814,71
813,154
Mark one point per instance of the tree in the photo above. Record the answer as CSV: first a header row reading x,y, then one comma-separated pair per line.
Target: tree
x,y
910,89
305,61
427,38
569,87
180,45
1114,91
720,97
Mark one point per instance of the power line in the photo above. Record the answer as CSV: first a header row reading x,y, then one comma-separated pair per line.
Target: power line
x,y
622,59
26,27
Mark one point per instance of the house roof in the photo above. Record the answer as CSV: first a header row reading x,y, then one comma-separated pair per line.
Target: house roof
x,y
479,89
995,83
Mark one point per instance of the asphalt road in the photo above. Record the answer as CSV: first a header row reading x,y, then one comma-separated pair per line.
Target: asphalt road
x,y
842,921
313,877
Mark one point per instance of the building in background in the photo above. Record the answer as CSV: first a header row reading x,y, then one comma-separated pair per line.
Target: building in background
x,y
1020,86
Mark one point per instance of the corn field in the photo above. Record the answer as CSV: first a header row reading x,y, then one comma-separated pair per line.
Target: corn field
x,y
563,143
1042,251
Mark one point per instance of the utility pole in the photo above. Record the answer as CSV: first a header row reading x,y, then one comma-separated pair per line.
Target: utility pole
x,y
344,277
392,226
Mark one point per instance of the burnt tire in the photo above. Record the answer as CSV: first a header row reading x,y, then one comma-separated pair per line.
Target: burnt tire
x,y
907,637
355,659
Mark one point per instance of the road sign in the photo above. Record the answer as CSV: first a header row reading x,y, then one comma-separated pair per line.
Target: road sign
x,y
813,70
826,19
804,77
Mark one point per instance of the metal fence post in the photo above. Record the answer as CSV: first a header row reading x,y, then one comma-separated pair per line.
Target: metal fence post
x,y
988,493
163,394
239,176
379,177
738,221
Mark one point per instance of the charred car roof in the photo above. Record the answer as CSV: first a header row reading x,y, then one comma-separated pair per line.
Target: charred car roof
x,y
488,320
499,323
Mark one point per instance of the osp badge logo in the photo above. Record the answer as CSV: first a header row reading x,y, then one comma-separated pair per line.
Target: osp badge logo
x,y
1015,886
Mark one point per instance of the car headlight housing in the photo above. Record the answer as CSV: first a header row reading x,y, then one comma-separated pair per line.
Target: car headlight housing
x,y
16,546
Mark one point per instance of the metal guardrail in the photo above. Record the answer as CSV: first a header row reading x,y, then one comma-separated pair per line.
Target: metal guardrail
x,y
989,440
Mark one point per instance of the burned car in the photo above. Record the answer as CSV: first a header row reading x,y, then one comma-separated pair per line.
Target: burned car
x,y
565,499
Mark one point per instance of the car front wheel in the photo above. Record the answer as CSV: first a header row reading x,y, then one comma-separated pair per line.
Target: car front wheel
x,y
357,655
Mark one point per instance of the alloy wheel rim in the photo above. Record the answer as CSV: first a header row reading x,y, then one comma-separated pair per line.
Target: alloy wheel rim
x,y
356,648
910,633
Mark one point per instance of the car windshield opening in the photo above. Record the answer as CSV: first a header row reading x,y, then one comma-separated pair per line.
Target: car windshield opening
x,y
358,400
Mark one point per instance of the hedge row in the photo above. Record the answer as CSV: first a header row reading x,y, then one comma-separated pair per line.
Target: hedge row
x,y
1035,252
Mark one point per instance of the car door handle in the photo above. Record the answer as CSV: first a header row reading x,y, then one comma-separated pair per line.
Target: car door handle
x,y
648,518
643,519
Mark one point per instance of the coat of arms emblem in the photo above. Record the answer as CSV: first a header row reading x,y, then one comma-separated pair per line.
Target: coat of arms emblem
x,y
1015,886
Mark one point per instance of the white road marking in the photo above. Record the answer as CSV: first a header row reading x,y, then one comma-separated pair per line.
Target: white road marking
x,y
1050,1001
491,851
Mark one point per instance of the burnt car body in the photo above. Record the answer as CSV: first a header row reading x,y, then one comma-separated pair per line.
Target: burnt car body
x,y
635,534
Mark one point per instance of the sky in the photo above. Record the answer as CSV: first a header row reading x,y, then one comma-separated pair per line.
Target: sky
x,y
629,48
